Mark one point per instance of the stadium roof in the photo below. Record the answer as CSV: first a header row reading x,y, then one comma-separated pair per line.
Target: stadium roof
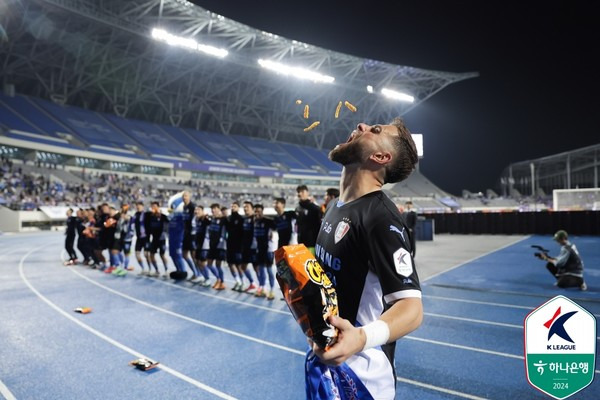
x,y
102,55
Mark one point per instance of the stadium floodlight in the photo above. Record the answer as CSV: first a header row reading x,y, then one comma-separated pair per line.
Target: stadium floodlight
x,y
392,94
164,36
369,88
297,72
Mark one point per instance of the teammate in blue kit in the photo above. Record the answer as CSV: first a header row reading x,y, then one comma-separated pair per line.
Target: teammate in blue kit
x,y
364,248
216,243
235,231
285,223
248,246
263,233
157,225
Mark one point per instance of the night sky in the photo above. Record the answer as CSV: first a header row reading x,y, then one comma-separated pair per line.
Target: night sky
x,y
537,93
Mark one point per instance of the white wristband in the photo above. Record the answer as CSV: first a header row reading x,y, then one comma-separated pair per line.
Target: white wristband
x,y
377,333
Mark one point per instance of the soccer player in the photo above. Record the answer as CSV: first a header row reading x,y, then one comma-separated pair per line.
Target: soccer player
x,y
217,244
263,228
284,222
121,232
330,194
200,224
308,218
235,231
189,242
410,217
82,241
141,238
70,237
364,249
110,228
248,245
157,228
101,240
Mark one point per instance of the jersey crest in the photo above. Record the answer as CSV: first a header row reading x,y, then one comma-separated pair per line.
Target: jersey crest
x,y
340,231
403,262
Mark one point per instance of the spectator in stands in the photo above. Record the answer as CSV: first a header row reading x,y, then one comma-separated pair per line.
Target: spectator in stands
x,y
410,218
567,267
330,194
308,218
70,238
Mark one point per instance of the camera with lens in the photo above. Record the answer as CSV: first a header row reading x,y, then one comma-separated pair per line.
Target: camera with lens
x,y
541,253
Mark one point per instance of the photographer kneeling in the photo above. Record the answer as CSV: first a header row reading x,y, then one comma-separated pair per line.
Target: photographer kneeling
x,y
567,267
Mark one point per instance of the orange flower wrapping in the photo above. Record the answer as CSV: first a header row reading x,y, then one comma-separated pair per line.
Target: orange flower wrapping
x,y
308,292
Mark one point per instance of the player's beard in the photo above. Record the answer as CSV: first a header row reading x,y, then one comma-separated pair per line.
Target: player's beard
x,y
346,154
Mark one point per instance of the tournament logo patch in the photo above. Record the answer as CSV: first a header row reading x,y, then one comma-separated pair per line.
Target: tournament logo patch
x,y
342,228
560,347
403,262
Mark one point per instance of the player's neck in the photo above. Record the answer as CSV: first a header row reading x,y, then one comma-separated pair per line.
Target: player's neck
x,y
356,182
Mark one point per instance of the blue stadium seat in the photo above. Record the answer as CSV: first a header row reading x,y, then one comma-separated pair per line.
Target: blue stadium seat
x,y
34,115
88,125
10,120
269,152
189,140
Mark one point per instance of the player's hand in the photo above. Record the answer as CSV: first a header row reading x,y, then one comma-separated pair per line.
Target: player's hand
x,y
350,341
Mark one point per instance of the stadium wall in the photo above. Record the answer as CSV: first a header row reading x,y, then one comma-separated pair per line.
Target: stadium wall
x,y
507,223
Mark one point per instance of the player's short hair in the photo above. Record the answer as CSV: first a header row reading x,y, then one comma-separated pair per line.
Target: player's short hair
x,y
280,200
301,188
155,203
249,202
405,154
70,209
333,192
215,205
237,203
224,208
139,202
259,206
408,202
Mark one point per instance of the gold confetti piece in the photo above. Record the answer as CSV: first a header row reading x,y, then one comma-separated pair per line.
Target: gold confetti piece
x,y
298,101
337,110
350,106
312,126
306,111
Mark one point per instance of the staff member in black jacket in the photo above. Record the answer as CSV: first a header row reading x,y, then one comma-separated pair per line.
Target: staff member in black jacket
x,y
410,218
70,239
308,220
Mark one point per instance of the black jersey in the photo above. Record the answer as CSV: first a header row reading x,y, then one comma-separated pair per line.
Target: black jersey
x,y
157,226
235,231
71,226
139,223
248,233
309,221
199,230
188,216
284,226
262,233
364,248
217,233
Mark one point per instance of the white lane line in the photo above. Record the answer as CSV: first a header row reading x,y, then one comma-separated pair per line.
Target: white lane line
x,y
475,258
6,393
477,321
189,319
115,343
487,303
458,346
439,389
195,321
243,303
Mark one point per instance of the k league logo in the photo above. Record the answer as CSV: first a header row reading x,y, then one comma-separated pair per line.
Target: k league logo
x,y
560,347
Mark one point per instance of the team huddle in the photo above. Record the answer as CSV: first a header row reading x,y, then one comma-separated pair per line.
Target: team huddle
x,y
196,241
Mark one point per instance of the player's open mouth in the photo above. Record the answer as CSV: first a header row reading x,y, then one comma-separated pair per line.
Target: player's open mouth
x,y
351,137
